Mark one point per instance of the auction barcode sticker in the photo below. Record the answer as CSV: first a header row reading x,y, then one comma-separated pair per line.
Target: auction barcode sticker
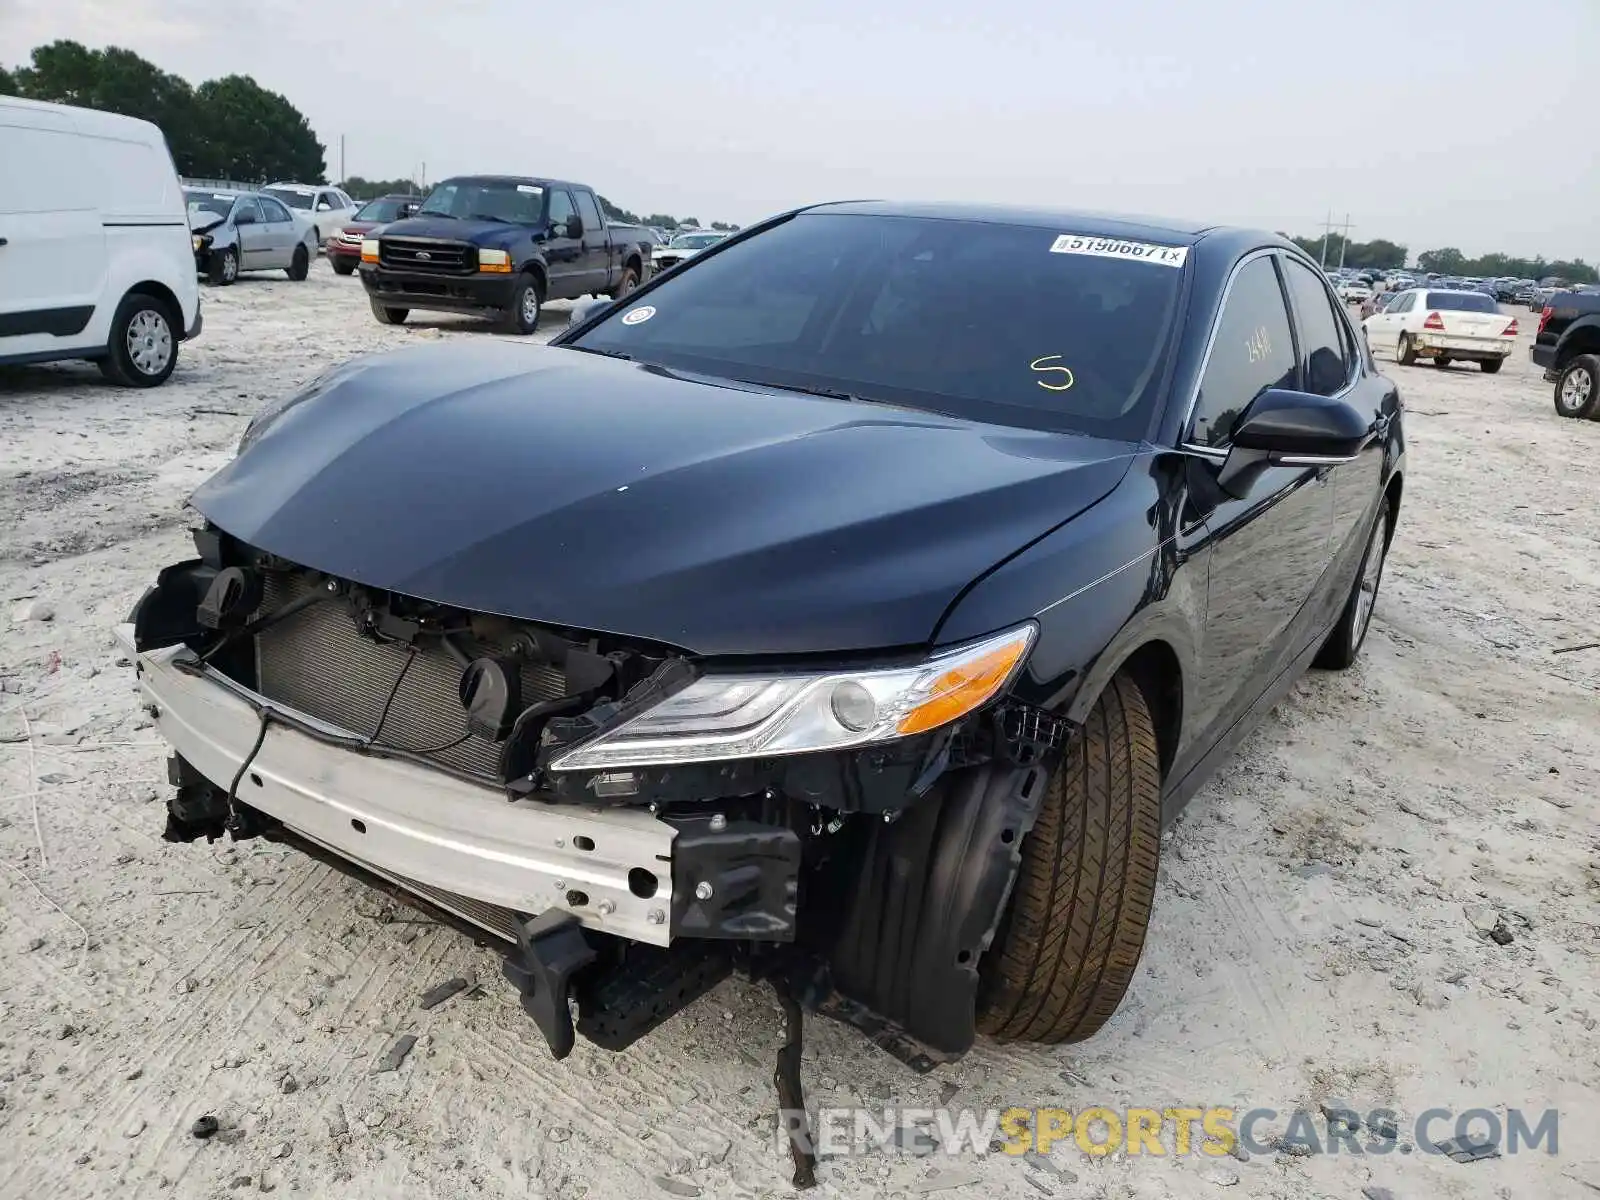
x,y
1077,243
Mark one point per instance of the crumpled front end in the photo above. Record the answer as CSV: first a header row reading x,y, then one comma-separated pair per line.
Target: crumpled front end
x,y
535,784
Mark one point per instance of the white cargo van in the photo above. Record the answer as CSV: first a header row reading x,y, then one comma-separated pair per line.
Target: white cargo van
x,y
96,258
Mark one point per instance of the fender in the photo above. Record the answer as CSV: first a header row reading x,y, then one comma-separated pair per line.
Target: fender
x,y
1585,329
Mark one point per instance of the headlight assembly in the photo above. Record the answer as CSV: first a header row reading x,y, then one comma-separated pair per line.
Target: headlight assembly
x,y
722,716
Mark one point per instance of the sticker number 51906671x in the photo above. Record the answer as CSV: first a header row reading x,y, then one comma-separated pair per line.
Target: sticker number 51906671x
x,y
1077,243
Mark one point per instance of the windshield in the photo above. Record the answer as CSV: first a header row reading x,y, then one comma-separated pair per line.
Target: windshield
x,y
1460,302
485,200
696,241
293,199
984,321
381,211
205,208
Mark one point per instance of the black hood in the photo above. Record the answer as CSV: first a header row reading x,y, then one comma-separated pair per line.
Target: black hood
x,y
576,490
498,234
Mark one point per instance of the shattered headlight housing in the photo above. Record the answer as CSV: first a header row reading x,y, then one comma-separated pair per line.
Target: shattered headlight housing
x,y
722,716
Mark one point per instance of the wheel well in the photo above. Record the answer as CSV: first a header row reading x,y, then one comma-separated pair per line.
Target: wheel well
x,y
163,293
1155,669
539,279
1579,341
636,262
1392,494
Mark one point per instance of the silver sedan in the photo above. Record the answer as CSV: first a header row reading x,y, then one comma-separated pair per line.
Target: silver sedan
x,y
247,231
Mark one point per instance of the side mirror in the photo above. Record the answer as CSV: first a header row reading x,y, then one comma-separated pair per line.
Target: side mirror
x,y
574,227
1284,428
583,309
407,210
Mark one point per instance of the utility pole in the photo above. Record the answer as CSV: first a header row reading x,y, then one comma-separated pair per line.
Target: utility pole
x,y
1327,228
342,175
1344,245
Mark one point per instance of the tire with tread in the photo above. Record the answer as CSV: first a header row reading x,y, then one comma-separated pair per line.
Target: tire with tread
x,y
1571,398
1350,633
224,268
629,281
1406,352
1443,361
299,265
1070,941
118,365
522,316
387,315
342,266
1490,366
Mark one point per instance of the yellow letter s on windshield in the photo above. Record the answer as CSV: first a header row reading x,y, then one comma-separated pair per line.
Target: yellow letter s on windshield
x,y
1052,387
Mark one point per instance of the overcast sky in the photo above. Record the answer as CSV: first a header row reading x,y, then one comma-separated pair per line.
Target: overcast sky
x,y
1449,122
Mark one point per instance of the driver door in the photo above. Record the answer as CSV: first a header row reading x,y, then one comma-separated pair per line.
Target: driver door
x,y
255,240
1270,547
563,252
282,234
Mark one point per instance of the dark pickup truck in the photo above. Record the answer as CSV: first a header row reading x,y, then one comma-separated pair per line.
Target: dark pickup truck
x,y
1567,346
499,244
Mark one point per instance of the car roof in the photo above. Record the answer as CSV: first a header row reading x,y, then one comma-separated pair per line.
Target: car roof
x,y
534,180
1062,220
302,187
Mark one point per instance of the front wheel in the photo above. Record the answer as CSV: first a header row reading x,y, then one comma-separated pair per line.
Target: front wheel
x,y
1490,366
1345,642
523,315
1578,388
224,267
1070,941
299,265
387,315
142,349
1406,352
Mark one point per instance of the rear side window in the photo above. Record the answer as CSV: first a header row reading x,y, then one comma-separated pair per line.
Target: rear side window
x,y
1461,302
1252,352
1322,347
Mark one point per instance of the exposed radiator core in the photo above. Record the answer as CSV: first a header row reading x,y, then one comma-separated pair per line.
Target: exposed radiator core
x,y
317,663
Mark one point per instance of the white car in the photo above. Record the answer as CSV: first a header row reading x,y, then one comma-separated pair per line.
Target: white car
x,y
95,254
324,208
1354,291
1444,326
684,245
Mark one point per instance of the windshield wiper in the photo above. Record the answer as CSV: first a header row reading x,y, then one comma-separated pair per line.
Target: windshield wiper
x,y
428,212
828,393
488,217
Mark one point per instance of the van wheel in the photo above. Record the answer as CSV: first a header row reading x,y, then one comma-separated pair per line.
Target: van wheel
x,y
1071,939
299,265
224,267
142,349
1578,387
523,315
389,316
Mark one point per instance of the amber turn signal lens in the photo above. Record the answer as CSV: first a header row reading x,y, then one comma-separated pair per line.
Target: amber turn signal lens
x,y
963,688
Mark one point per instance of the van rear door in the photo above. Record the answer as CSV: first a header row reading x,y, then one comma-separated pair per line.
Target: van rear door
x,y
52,244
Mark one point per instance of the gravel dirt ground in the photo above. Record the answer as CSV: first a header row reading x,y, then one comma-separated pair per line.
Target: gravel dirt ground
x,y
1321,930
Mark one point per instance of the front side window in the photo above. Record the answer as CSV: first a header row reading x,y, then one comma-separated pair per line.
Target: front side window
x,y
1252,351
273,211
1323,364
207,208
561,210
247,212
978,320
589,212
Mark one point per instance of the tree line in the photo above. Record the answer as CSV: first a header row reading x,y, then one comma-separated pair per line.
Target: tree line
x,y
1387,256
228,128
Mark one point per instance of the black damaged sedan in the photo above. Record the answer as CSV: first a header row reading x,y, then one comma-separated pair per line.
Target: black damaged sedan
x,y
850,606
